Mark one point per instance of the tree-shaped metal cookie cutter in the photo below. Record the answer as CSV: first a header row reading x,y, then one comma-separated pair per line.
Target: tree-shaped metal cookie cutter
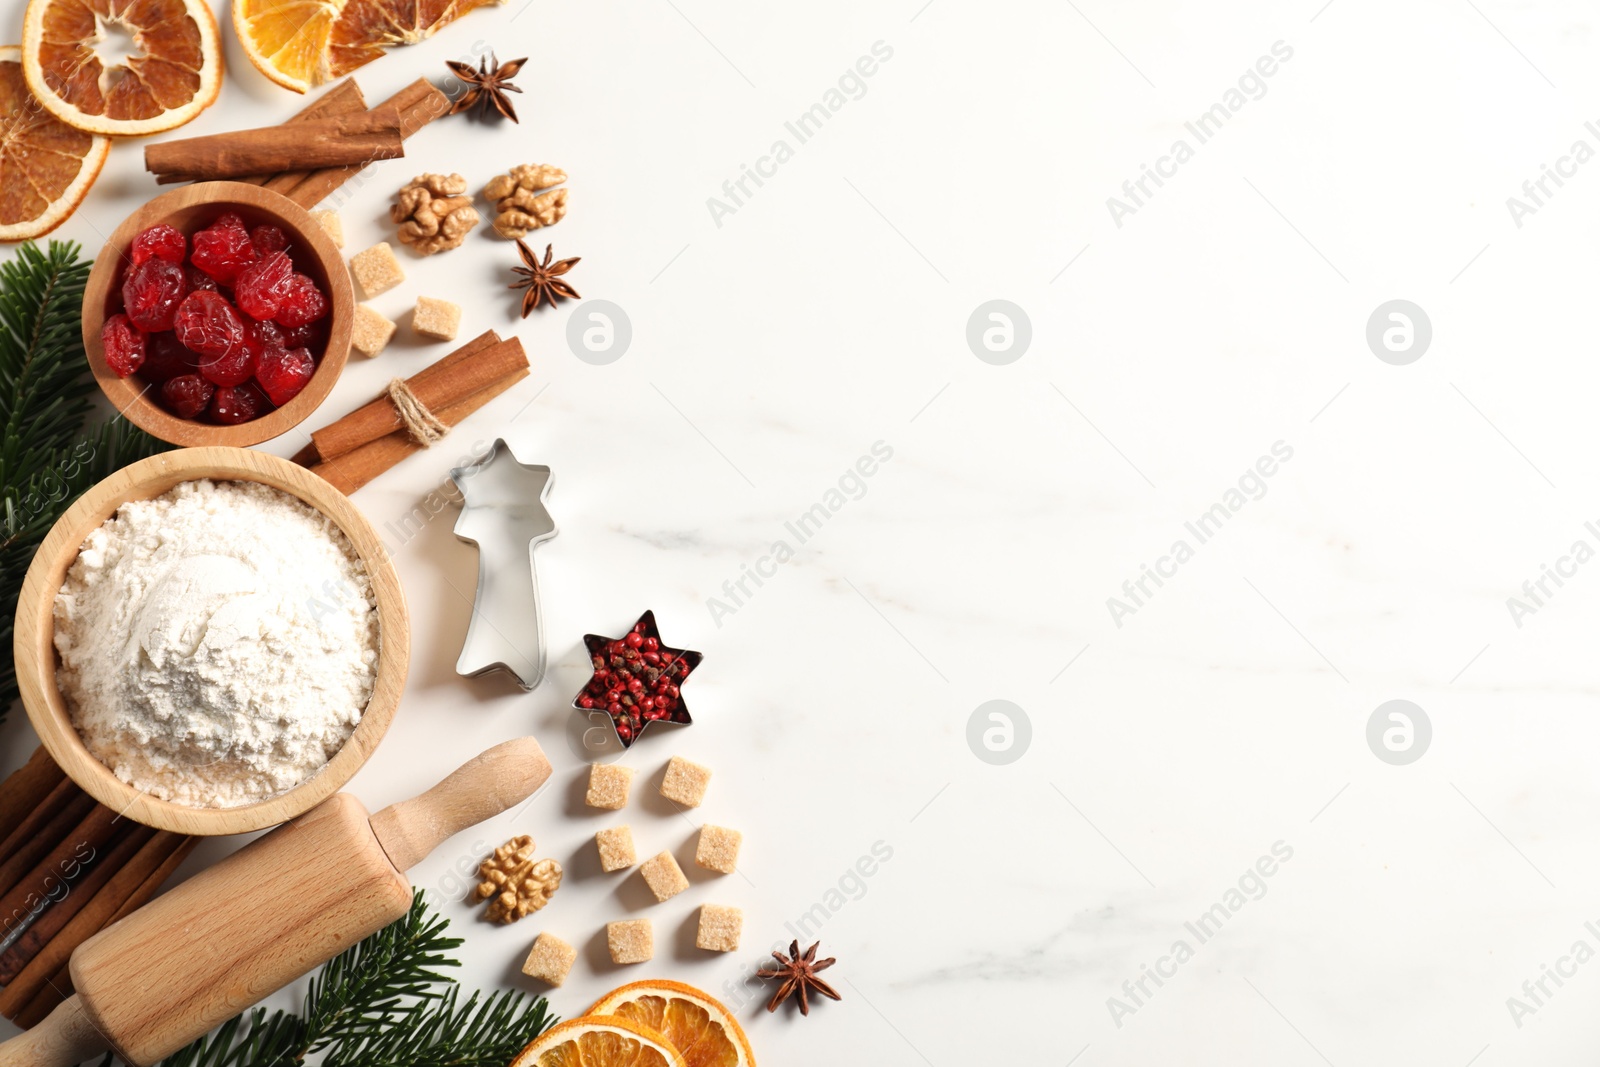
x,y
503,513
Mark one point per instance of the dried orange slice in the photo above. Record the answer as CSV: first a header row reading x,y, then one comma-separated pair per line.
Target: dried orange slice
x,y
46,166
599,1041
287,40
302,43
699,1027
122,67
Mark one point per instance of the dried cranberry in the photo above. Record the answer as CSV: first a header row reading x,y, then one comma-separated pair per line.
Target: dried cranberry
x,y
222,251
123,344
206,323
263,337
304,303
166,358
282,374
234,404
160,242
262,286
152,293
199,279
233,367
311,335
187,395
267,240
230,220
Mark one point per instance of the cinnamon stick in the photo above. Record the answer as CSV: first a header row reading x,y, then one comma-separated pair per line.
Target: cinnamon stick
x,y
26,788
45,982
64,863
333,140
90,920
130,838
95,915
452,379
337,437
358,467
44,828
343,99
419,104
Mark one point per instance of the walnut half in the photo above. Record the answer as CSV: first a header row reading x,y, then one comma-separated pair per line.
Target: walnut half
x,y
521,201
513,883
433,213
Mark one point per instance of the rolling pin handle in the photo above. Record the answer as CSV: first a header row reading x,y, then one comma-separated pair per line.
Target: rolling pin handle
x,y
481,788
66,1038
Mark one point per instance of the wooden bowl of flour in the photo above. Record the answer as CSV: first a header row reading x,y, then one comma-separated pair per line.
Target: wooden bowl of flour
x,y
36,657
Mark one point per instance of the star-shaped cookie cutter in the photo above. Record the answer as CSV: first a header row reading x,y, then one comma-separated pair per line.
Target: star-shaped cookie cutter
x,y
611,665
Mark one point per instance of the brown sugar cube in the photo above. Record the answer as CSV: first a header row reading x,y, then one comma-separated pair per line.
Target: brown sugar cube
x,y
550,959
616,848
377,270
663,875
685,783
608,786
632,941
719,928
371,332
437,320
329,221
718,849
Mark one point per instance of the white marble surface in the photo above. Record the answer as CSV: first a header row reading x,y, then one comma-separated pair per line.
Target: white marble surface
x,y
1228,714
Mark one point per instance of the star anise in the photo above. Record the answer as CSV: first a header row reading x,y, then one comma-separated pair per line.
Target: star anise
x,y
542,281
488,85
799,975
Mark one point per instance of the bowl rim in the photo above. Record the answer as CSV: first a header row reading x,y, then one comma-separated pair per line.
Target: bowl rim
x,y
36,659
129,397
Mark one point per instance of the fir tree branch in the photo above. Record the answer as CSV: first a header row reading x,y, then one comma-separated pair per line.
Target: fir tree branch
x,y
487,1034
383,1003
48,457
44,392
363,988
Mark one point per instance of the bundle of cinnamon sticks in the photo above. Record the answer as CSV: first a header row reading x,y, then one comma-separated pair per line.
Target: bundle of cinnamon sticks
x,y
69,867
374,437
314,152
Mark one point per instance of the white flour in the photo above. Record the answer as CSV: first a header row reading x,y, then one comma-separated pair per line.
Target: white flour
x,y
218,643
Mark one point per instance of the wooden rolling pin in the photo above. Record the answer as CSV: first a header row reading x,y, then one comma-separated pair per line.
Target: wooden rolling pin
x,y
285,903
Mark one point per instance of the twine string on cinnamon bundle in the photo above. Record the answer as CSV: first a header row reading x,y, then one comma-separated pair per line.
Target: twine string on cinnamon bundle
x,y
413,413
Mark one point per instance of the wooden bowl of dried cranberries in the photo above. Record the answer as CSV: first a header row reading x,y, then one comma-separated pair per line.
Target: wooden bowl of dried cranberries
x,y
218,314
